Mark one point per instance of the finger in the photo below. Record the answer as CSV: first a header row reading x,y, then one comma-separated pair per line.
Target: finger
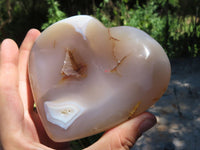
x,y
8,64
125,135
9,97
25,49
24,87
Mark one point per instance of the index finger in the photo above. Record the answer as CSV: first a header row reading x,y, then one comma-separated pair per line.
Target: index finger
x,y
24,87
25,49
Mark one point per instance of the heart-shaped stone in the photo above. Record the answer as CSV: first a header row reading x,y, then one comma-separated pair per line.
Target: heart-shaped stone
x,y
87,78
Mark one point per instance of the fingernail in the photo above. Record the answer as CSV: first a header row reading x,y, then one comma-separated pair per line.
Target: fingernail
x,y
146,124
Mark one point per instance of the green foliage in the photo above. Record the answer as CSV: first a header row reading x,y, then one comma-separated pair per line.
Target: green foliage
x,y
144,17
184,36
179,34
18,16
54,13
171,22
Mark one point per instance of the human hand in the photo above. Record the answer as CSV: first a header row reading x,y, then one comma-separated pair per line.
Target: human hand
x,y
20,126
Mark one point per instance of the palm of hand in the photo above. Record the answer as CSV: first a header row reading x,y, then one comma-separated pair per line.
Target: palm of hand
x,y
20,126
20,121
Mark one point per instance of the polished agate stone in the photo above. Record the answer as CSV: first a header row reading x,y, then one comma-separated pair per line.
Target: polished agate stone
x,y
87,78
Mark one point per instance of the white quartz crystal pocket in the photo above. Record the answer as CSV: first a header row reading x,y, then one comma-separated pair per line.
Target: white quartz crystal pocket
x,y
87,78
62,114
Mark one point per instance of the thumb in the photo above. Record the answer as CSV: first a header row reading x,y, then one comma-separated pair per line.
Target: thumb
x,y
125,135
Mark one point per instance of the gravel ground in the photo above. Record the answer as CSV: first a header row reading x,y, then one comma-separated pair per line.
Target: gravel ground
x,y
177,112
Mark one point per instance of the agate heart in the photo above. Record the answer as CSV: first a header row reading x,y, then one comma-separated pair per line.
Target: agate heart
x,y
87,78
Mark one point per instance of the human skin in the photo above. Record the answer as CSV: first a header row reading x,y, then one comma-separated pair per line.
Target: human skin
x,y
20,125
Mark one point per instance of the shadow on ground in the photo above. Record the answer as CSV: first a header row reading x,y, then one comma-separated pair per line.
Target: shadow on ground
x,y
177,112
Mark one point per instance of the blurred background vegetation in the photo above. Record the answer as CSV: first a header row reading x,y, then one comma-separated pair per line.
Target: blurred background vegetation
x,y
175,24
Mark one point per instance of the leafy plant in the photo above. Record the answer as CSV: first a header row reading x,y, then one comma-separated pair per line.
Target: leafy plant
x,y
171,22
162,19
54,13
144,17
18,16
